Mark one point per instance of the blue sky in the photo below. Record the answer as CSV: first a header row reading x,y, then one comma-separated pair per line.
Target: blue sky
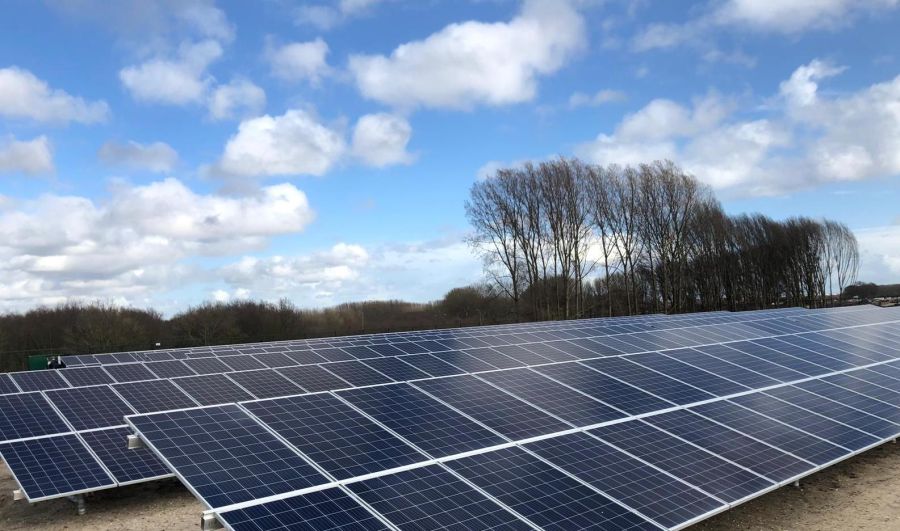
x,y
169,152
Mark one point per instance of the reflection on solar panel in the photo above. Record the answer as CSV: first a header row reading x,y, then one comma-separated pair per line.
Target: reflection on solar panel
x,y
608,390
324,510
544,495
54,466
333,435
126,466
432,498
224,455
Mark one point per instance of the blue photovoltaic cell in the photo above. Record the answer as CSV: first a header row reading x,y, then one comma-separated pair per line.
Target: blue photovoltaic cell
x,y
126,465
53,466
522,355
494,358
650,381
620,395
324,510
688,374
465,362
641,487
333,435
357,373
90,407
361,352
169,369
334,354
874,386
386,349
154,395
698,358
313,378
242,363
817,357
855,400
304,357
431,365
396,369
786,438
499,411
265,383
39,380
422,420
28,415
807,342
274,359
224,455
808,421
553,397
773,370
131,372
749,453
411,348
796,364
544,495
7,385
212,389
207,366
711,473
87,376
432,498
552,353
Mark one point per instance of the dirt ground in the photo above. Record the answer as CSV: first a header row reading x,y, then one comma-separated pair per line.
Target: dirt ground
x,y
860,494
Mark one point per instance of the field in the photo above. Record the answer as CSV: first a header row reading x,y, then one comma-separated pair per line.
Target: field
x,y
862,493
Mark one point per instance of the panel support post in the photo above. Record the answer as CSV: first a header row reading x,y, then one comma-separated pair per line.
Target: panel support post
x,y
78,500
18,495
797,483
209,522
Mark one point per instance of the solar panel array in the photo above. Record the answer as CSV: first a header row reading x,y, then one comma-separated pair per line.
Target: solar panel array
x,y
641,422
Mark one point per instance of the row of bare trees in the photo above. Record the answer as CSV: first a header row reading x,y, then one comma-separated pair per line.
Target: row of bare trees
x,y
563,239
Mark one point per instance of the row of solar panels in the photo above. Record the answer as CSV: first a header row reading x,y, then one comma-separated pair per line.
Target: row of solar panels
x,y
450,338
102,406
645,441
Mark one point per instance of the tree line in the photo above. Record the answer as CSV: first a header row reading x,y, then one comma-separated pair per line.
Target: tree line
x,y
563,239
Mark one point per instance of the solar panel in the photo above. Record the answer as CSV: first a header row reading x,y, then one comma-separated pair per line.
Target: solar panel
x,y
333,435
648,491
698,357
225,456
212,389
357,373
7,385
87,376
745,451
500,411
772,370
418,418
324,510
431,365
432,498
28,415
126,465
154,395
804,367
274,359
132,372
90,407
618,394
207,365
707,471
396,369
495,359
38,380
855,400
553,397
313,378
836,411
653,382
242,363
333,354
306,357
265,383
54,466
697,377
522,355
545,496
169,369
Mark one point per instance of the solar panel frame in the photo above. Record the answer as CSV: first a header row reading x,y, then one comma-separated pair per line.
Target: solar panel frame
x,y
86,408
150,396
126,465
86,376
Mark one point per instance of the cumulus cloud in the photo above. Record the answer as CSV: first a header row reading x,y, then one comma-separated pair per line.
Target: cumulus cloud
x,y
602,97
326,16
380,140
157,157
177,80
879,250
58,247
298,61
294,143
240,97
807,139
26,156
473,63
24,96
788,17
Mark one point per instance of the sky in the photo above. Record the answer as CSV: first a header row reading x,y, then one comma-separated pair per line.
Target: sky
x,y
170,152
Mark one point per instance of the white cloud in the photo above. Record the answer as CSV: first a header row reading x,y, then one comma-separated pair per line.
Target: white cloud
x,y
602,97
326,17
24,96
294,143
26,156
299,61
134,244
156,157
380,140
472,63
808,139
240,97
180,80
879,250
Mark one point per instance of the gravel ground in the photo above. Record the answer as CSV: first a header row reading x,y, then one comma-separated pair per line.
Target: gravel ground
x,y
862,493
